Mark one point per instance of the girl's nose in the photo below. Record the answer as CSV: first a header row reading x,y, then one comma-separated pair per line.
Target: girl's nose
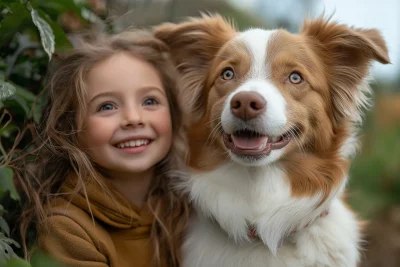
x,y
131,117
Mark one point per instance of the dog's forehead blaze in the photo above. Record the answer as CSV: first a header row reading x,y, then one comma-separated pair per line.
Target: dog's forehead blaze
x,y
257,42
246,55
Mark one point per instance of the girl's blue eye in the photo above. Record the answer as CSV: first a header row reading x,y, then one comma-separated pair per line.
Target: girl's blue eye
x,y
107,107
150,102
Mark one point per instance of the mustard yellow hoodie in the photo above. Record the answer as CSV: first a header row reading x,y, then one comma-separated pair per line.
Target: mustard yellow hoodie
x,y
118,235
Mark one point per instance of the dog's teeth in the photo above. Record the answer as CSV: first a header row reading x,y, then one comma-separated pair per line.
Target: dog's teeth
x,y
263,146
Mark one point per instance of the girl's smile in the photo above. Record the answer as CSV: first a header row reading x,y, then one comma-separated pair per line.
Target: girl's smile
x,y
127,128
134,144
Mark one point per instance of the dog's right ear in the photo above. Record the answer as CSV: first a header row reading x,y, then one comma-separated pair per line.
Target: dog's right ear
x,y
193,45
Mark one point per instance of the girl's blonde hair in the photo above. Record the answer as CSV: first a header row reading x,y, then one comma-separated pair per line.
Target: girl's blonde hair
x,y
60,154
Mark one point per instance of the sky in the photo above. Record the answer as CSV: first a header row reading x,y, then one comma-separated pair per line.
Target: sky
x,y
381,14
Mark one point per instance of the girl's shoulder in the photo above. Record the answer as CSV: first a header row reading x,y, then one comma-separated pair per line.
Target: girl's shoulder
x,y
65,214
62,207
69,233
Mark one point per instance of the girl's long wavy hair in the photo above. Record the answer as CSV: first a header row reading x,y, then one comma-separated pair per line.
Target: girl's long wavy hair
x,y
59,153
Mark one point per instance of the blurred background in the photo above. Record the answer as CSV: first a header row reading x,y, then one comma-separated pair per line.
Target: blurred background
x,y
33,30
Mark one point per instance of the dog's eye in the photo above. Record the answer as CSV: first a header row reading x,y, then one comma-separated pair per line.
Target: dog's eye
x,y
227,74
295,78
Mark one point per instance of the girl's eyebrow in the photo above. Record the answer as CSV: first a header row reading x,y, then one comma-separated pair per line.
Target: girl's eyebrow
x,y
104,94
151,88
114,94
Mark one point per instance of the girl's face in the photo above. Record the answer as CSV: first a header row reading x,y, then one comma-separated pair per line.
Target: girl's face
x,y
127,128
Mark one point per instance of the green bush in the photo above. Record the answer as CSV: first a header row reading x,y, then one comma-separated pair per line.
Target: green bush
x,y
375,174
30,34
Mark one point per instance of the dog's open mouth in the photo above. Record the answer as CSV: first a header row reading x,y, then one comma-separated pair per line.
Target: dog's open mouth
x,y
251,143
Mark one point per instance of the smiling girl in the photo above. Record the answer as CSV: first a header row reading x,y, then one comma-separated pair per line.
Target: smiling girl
x,y
114,146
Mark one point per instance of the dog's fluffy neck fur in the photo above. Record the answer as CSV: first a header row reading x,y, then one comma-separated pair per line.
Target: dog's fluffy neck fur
x,y
258,196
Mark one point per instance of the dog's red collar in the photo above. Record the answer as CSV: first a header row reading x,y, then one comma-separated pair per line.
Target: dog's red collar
x,y
252,233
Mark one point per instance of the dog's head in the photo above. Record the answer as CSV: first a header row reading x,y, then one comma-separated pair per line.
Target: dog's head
x,y
262,96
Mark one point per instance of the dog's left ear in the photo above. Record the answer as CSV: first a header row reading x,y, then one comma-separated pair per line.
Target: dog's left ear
x,y
193,45
346,54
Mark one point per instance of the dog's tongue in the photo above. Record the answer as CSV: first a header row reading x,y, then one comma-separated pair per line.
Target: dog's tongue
x,y
243,142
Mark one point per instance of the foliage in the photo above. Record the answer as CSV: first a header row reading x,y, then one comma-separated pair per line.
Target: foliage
x,y
31,31
375,174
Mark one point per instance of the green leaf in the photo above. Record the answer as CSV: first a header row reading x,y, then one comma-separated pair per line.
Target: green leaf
x,y
40,259
7,182
46,33
4,226
2,210
17,262
13,22
8,130
25,94
3,65
22,102
6,89
60,36
6,251
9,241
25,100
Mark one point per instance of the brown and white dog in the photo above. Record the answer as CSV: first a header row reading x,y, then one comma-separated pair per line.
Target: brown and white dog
x,y
273,120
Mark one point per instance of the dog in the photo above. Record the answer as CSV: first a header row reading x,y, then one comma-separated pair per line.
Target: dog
x,y
273,122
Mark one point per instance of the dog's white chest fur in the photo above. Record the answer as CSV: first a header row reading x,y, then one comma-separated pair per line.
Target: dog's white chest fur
x,y
230,198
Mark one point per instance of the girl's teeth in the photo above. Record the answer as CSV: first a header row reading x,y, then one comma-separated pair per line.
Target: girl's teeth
x,y
133,143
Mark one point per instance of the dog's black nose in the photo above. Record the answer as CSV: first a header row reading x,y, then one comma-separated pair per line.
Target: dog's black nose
x,y
247,105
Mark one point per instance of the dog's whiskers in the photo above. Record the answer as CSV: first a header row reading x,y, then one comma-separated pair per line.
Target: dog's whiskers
x,y
213,134
292,128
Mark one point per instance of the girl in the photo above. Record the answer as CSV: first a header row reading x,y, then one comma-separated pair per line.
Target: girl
x,y
113,139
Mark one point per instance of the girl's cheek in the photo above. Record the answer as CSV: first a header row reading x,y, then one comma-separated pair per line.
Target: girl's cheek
x,y
165,125
91,136
166,122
